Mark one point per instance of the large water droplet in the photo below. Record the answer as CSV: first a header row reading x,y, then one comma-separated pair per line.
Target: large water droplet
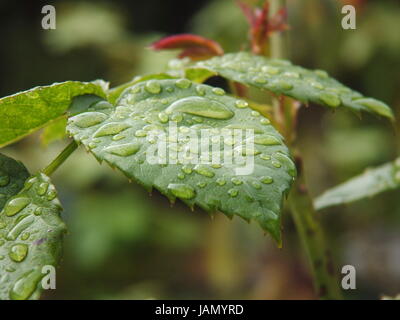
x,y
182,191
20,226
42,188
152,86
204,171
26,285
16,205
201,107
111,129
267,140
88,119
124,150
241,104
18,252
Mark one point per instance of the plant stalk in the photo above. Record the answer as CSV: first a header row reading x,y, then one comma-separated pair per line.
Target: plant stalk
x,y
311,233
305,218
59,160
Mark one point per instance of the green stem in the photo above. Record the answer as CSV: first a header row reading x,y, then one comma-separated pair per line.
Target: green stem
x,y
60,158
311,234
306,221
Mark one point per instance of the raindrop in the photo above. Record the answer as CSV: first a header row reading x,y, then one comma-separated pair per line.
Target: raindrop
x,y
256,185
270,70
111,129
182,191
201,184
15,205
18,252
201,107
233,192
267,140
163,117
221,182
118,137
236,181
265,121
51,195
42,188
88,119
24,287
204,171
330,99
201,91
124,150
241,104
152,86
260,80
183,83
140,133
266,179
218,91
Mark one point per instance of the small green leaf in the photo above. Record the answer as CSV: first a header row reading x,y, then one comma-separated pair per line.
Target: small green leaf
x,y
369,184
283,78
140,125
25,112
12,177
31,233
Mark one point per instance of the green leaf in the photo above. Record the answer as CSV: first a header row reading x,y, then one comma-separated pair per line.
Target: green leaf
x,y
366,185
12,177
31,233
114,93
283,78
54,131
140,123
25,112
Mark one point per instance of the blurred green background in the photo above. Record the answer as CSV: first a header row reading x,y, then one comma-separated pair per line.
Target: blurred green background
x,y
126,244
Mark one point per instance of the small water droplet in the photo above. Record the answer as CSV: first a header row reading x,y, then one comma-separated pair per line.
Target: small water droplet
x,y
265,121
201,91
270,70
241,104
221,182
183,83
118,137
330,99
123,150
317,85
88,119
204,171
256,185
187,169
25,236
276,163
111,129
201,107
153,87
201,184
51,195
218,91
216,165
284,85
321,73
236,181
176,117
233,192
38,211
140,133
292,74
182,191
181,176
16,205
163,117
42,188
265,157
18,252
255,113
266,179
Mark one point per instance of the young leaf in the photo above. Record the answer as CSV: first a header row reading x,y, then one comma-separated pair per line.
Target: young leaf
x,y
12,177
369,184
173,114
283,78
31,233
25,112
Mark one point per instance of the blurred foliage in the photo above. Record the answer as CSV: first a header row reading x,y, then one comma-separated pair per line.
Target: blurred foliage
x,y
124,244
